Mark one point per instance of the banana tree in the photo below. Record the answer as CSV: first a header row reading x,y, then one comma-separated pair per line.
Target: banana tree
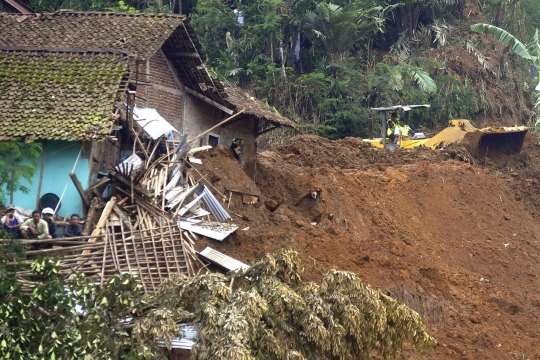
x,y
530,52
336,29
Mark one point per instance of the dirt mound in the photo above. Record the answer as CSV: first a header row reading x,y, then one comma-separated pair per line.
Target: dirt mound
x,y
348,153
452,236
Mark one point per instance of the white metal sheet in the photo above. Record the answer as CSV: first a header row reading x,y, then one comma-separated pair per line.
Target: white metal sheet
x,y
152,123
401,107
132,159
222,260
214,230
189,336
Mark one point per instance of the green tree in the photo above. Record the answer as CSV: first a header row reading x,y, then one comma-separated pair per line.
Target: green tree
x,y
269,312
49,317
17,161
530,52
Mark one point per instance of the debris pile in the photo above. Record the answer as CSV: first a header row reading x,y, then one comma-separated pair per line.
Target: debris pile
x,y
147,213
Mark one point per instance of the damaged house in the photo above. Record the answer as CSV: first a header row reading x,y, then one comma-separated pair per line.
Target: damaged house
x,y
74,81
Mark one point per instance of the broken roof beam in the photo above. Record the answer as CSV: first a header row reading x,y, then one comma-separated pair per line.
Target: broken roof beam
x,y
20,7
184,54
191,141
267,130
209,101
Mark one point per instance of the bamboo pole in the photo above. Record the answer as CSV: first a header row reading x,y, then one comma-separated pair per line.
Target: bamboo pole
x,y
114,251
70,249
216,126
164,250
103,261
146,257
155,254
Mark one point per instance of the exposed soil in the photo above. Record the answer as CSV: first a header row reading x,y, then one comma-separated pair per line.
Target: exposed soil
x,y
452,233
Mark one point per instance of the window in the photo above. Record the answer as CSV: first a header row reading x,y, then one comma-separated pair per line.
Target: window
x,y
213,140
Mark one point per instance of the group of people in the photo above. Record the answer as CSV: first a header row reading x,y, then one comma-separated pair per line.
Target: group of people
x,y
39,225
397,130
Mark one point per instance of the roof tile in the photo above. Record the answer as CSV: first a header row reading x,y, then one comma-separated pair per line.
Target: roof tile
x,y
39,92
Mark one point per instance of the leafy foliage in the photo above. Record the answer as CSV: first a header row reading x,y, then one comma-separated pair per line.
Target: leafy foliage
x,y
354,54
17,160
54,318
269,312
530,52
266,311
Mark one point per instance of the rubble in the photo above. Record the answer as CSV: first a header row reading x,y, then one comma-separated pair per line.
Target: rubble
x,y
156,211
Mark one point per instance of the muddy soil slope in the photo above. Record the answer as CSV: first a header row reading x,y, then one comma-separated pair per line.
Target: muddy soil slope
x,y
454,237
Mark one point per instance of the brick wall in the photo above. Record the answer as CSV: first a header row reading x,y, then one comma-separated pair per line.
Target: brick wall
x,y
200,116
166,94
189,114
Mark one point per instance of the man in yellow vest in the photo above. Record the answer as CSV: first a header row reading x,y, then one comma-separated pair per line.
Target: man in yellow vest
x,y
391,126
401,132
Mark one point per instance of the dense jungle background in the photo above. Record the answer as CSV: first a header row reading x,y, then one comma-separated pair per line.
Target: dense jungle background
x,y
325,63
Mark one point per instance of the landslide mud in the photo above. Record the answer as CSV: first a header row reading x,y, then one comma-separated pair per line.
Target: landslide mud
x,y
453,235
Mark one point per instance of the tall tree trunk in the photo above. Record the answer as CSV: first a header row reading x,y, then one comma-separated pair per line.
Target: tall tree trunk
x,y
284,73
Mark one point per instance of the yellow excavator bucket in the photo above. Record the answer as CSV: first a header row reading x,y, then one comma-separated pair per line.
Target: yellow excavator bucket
x,y
500,139
492,139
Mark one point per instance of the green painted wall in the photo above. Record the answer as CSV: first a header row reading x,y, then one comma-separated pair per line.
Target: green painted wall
x,y
60,158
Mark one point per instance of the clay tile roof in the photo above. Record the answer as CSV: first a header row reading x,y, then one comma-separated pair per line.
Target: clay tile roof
x,y
60,95
240,99
142,34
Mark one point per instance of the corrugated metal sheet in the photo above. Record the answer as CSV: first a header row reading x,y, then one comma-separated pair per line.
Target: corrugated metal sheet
x,y
177,174
187,207
219,213
152,123
214,230
132,160
222,260
187,340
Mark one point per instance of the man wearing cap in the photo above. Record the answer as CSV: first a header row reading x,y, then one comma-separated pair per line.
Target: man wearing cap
x,y
47,215
35,227
12,220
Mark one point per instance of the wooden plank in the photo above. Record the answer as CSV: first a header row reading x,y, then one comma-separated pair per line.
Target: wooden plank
x,y
217,125
131,104
104,216
128,183
97,185
41,170
126,251
89,223
183,54
98,195
103,260
209,101
123,217
80,189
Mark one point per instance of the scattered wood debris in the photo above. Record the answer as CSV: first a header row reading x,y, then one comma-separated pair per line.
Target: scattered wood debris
x,y
145,215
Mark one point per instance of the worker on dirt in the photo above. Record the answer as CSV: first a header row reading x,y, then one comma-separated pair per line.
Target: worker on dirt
x,y
391,126
402,132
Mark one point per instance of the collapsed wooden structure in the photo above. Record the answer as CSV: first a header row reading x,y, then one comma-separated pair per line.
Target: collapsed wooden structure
x,y
144,214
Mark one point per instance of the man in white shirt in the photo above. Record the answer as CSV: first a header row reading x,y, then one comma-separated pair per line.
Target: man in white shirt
x,y
11,209
239,16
